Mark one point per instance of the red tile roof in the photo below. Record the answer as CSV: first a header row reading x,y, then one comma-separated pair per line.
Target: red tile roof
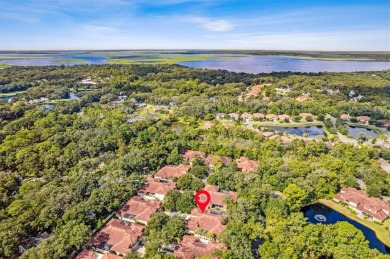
x,y
234,115
205,221
207,125
375,207
211,158
345,117
246,115
155,186
247,165
271,116
119,235
258,115
170,171
190,155
363,118
304,114
284,116
191,248
139,209
111,256
385,122
303,97
218,196
285,140
220,115
268,134
86,254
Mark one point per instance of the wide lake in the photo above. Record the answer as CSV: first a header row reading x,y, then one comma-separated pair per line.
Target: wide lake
x,y
312,131
318,213
236,63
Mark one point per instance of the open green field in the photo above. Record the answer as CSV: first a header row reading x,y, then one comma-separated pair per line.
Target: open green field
x,y
380,230
4,65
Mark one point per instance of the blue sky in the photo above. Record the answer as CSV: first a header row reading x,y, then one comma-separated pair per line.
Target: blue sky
x,y
195,24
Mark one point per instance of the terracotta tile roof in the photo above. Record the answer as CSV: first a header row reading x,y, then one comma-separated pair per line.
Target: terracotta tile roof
x,y
218,196
304,114
235,116
139,209
247,165
169,171
385,122
271,116
303,97
345,117
375,207
224,159
268,134
155,186
258,115
246,115
285,139
220,115
205,221
284,116
191,247
111,256
86,254
363,118
117,236
190,155
207,125
255,90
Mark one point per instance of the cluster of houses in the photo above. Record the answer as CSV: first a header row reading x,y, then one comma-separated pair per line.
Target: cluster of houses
x,y
123,233
365,119
371,208
260,116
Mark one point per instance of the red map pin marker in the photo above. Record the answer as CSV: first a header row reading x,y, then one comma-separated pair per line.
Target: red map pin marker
x,y
202,204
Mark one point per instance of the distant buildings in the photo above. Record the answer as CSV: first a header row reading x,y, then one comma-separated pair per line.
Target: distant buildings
x,y
244,164
365,206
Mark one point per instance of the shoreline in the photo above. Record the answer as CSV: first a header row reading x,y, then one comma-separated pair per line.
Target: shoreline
x,y
379,230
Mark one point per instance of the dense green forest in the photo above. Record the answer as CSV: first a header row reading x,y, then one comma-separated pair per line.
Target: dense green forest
x,y
64,169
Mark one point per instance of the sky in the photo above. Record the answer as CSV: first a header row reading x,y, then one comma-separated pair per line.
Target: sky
x,y
347,25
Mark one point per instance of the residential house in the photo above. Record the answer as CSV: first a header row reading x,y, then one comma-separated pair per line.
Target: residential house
x,y
258,116
305,114
285,140
385,122
170,171
205,222
90,254
244,164
364,119
220,116
373,208
234,116
218,198
207,125
190,155
156,188
268,134
246,116
138,209
284,117
192,247
345,117
212,160
119,236
303,97
271,117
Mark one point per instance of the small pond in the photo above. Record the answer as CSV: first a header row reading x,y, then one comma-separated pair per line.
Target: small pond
x,y
313,131
355,132
73,96
318,213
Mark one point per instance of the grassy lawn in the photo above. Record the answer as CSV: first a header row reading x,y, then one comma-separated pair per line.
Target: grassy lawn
x,y
4,65
69,61
380,230
11,93
287,125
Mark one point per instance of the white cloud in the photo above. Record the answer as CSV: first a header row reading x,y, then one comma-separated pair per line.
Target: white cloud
x,y
210,24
